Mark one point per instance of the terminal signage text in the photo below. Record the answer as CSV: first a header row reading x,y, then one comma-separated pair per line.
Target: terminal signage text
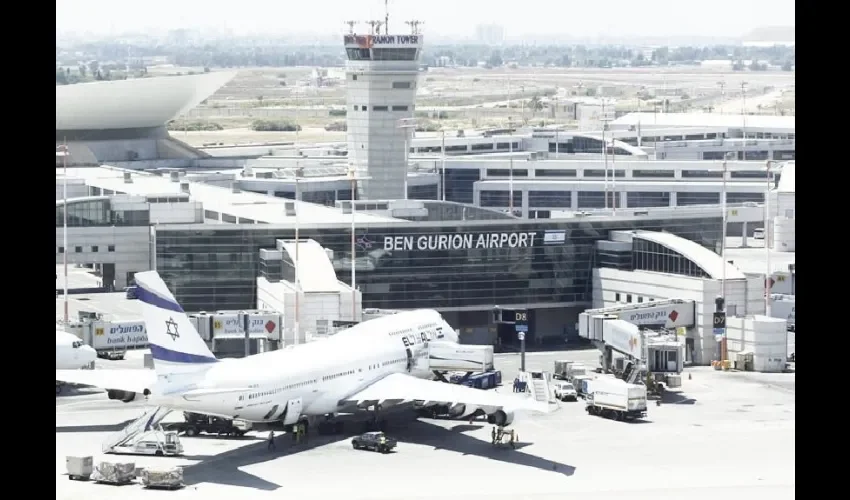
x,y
119,335
459,241
367,41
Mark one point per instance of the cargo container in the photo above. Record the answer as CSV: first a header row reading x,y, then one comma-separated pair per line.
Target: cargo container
x,y
616,399
448,356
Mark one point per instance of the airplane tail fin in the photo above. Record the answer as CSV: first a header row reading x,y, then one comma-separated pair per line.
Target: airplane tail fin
x,y
176,347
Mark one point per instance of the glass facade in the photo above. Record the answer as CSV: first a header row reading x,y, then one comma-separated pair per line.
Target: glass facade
x,y
92,213
404,266
650,256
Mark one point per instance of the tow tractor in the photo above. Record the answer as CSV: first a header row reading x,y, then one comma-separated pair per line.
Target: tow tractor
x,y
500,435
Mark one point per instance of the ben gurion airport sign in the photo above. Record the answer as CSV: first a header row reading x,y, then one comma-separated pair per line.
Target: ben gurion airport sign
x,y
467,241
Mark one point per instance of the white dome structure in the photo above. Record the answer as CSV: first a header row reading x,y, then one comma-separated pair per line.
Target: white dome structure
x,y
133,104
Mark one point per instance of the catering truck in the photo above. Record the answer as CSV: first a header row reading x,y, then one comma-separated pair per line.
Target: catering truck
x,y
616,399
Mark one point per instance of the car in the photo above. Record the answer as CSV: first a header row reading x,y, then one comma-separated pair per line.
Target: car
x,y
565,391
375,441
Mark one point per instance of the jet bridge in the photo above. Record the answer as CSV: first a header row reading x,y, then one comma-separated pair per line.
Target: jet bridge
x,y
639,334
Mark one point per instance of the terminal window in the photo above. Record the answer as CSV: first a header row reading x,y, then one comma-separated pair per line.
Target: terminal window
x,y
380,108
78,249
61,249
110,248
94,249
401,85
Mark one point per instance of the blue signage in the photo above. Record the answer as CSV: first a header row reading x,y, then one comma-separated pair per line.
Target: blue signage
x,y
521,327
720,332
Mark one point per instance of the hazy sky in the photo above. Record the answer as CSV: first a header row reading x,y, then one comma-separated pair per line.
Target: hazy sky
x,y
585,18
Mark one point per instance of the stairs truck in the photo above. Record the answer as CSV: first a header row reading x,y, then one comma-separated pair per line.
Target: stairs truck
x,y
615,399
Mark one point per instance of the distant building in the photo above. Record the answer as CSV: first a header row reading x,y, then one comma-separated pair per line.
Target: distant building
x,y
490,34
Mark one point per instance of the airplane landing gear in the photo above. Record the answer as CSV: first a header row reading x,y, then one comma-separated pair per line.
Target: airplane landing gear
x,y
376,423
329,426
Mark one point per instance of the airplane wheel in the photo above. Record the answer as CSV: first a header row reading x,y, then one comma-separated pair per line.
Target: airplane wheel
x,y
191,431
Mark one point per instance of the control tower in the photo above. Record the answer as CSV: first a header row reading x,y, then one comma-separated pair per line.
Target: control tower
x,y
381,79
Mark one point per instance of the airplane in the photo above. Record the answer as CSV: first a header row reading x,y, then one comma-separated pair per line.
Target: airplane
x,y
71,352
372,365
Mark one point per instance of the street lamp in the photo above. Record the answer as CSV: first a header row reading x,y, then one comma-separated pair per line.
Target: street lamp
x,y
767,238
298,173
352,175
727,157
510,166
63,152
407,124
443,165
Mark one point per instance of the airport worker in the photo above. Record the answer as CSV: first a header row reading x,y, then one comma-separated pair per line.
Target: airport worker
x,y
271,446
304,432
516,384
493,434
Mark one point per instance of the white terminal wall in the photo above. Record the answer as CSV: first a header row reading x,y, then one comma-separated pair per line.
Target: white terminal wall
x,y
743,297
132,248
766,338
316,310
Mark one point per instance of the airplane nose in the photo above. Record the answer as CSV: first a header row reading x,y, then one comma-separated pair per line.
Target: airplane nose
x,y
88,354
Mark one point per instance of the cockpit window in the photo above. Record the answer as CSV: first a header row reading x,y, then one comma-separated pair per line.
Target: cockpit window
x,y
77,344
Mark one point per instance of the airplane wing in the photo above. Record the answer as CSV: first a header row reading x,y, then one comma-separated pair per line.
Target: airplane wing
x,y
123,380
401,387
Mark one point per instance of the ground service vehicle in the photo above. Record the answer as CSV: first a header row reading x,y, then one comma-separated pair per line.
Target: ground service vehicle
x,y
157,443
616,399
565,391
196,423
375,441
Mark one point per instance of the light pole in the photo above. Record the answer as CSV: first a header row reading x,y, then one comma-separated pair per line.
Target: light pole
x,y
298,172
510,166
407,124
744,114
352,173
605,151
722,85
443,166
768,280
614,173
63,151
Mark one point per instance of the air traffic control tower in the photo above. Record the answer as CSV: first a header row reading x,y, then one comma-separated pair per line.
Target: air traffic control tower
x,y
381,77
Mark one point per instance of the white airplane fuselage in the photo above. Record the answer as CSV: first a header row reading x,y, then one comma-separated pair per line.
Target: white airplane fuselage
x,y
71,352
320,374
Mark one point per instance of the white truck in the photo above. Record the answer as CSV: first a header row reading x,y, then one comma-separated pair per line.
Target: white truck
x,y
448,356
616,399
567,370
565,391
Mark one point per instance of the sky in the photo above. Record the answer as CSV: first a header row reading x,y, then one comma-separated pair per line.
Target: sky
x,y
449,18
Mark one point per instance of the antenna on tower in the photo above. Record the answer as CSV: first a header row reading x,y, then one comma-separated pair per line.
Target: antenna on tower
x,y
414,26
351,25
376,26
386,17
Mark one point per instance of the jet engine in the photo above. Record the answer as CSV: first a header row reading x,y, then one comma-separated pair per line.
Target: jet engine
x,y
126,396
462,410
500,418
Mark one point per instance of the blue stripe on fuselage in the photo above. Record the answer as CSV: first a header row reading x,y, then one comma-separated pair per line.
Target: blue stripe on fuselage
x,y
163,354
155,300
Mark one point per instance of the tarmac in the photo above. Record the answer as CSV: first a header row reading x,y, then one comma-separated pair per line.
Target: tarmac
x,y
723,435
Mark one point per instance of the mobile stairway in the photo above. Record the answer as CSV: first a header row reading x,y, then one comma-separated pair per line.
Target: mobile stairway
x,y
147,422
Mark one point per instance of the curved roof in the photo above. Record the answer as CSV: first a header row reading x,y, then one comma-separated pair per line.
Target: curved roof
x,y
788,180
650,120
137,103
82,199
315,271
707,260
